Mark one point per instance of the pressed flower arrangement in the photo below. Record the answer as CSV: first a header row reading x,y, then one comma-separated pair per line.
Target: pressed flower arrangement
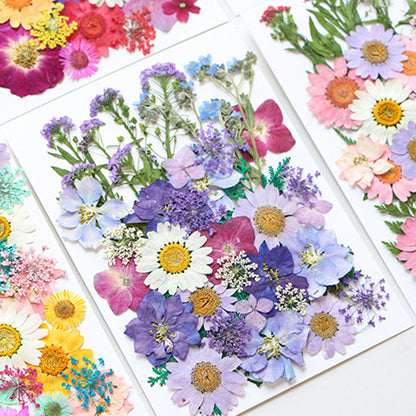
x,y
363,86
42,41
225,263
44,367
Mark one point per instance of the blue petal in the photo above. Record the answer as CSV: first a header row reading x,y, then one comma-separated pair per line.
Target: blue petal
x,y
89,190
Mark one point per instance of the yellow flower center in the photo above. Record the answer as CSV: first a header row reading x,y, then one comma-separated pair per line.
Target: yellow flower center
x,y
270,347
182,5
10,340
391,176
4,228
375,52
53,360
205,377
324,325
409,66
64,309
174,258
341,92
159,332
269,220
310,257
206,301
411,149
24,55
87,213
387,112
18,4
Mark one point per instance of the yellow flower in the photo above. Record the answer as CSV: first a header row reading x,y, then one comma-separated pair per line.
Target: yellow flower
x,y
64,309
51,29
60,347
20,12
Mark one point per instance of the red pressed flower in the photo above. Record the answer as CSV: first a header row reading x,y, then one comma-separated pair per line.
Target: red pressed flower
x,y
182,8
24,69
271,12
139,31
101,26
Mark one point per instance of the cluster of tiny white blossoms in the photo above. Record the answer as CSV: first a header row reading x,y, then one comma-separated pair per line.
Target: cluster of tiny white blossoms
x,y
236,270
291,298
122,242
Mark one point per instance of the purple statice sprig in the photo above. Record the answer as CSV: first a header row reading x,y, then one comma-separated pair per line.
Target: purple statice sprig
x,y
103,102
115,162
367,299
78,171
161,71
299,187
89,382
57,130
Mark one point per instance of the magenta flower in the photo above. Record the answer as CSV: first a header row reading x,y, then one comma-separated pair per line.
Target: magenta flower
x,y
205,379
24,69
252,307
269,132
122,286
181,8
407,243
181,168
9,411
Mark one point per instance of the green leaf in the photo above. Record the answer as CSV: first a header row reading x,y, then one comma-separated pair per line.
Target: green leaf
x,y
392,248
71,159
59,171
344,137
57,155
249,112
395,226
316,36
327,26
162,375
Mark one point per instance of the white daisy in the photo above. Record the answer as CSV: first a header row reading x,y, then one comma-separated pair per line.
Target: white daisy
x,y
17,227
383,109
174,260
19,337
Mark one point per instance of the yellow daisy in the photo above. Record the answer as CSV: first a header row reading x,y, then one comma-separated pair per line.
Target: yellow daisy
x,y
64,309
21,12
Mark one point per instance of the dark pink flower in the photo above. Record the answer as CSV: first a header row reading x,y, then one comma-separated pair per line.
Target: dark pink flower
x,y
182,8
269,132
122,286
407,243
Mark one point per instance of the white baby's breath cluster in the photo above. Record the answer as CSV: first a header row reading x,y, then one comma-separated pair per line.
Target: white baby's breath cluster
x,y
236,270
122,242
291,298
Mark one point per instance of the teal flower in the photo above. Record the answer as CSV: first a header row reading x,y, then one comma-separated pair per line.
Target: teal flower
x,y
53,404
11,188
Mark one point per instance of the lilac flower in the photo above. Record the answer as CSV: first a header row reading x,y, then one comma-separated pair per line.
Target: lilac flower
x,y
104,101
328,329
56,129
164,327
78,171
205,380
89,129
82,220
228,334
311,213
4,155
253,309
404,150
375,53
270,353
368,299
319,257
210,110
301,189
160,70
181,168
116,160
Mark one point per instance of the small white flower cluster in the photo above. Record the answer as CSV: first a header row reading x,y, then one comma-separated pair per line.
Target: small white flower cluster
x,y
236,270
122,242
291,298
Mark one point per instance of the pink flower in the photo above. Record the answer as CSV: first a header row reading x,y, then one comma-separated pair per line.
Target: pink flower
x,y
269,132
9,411
361,161
392,181
236,234
122,286
407,243
181,168
408,75
252,307
312,213
333,91
182,8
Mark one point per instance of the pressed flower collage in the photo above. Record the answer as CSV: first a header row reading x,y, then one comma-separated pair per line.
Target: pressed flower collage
x,y
209,243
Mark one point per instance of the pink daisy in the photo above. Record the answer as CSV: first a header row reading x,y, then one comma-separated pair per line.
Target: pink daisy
x,y
79,59
407,243
333,91
408,75
392,181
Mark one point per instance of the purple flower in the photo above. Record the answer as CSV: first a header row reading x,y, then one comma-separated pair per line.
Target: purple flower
x,y
4,155
328,330
114,164
311,213
404,150
167,69
253,309
103,102
301,189
205,380
164,327
270,353
375,53
56,129
78,171
319,257
210,110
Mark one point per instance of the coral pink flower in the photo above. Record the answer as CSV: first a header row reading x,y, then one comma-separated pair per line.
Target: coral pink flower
x,y
182,8
333,91
122,286
361,161
408,75
392,181
407,243
269,132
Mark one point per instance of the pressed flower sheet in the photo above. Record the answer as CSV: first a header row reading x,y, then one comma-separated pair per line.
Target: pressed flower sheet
x,y
92,263
293,78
